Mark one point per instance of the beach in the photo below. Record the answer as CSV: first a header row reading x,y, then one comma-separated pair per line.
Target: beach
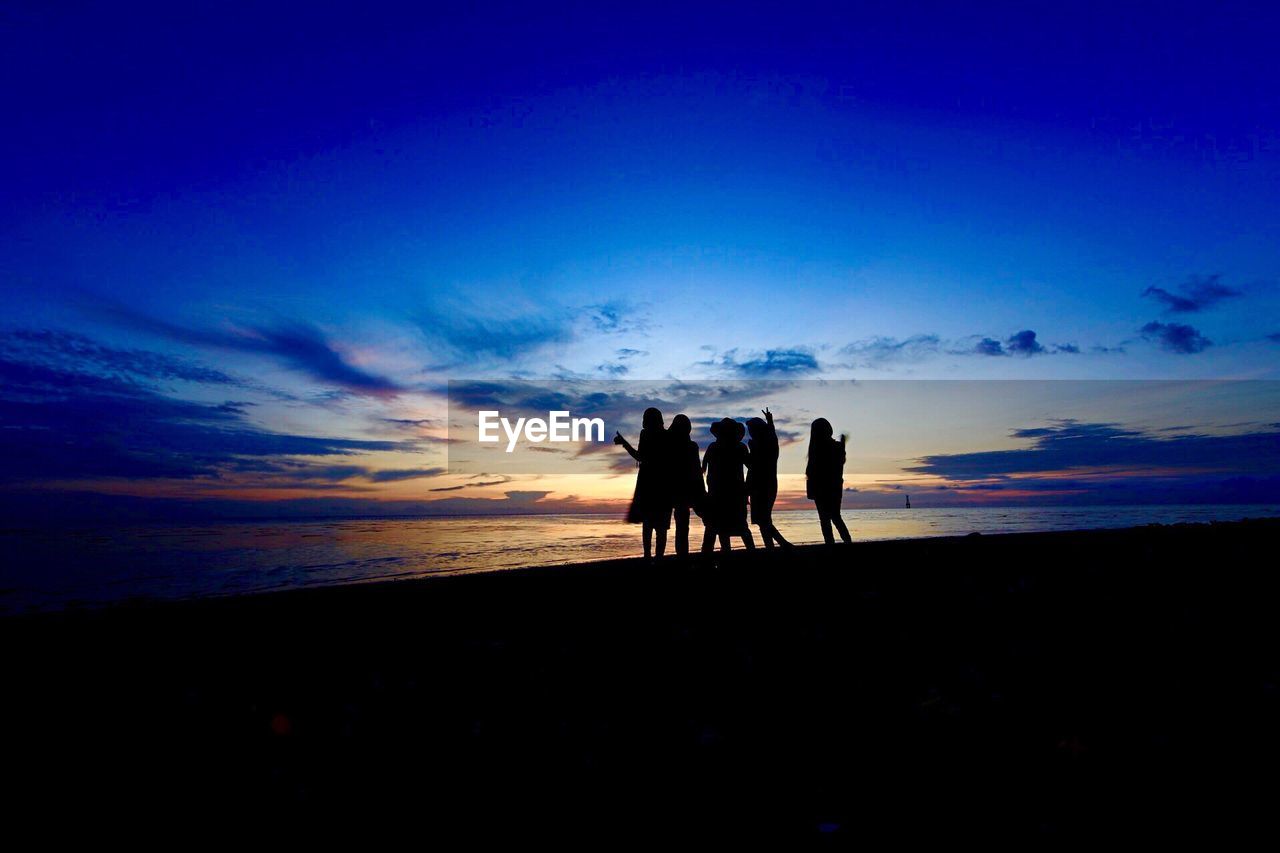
x,y
1021,687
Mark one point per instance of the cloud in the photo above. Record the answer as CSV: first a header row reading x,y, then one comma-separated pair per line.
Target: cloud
x,y
56,348
410,423
618,368
1074,463
1176,337
294,473
1023,343
881,351
788,436
71,422
295,344
1069,444
467,334
797,361
616,317
330,473
423,430
1196,294
471,485
304,348
398,474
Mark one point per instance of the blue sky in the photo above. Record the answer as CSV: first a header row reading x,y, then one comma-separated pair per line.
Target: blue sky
x,y
338,211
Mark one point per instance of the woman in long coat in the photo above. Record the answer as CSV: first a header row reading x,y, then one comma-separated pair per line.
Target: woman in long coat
x,y
651,503
687,490
825,478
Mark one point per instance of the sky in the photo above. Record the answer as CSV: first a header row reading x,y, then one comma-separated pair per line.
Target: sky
x,y
244,249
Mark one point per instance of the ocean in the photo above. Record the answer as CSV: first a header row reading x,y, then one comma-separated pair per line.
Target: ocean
x,y
85,566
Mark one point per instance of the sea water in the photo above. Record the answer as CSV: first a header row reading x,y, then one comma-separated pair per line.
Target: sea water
x,y
57,567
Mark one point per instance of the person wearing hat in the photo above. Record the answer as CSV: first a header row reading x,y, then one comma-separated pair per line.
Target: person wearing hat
x,y
724,464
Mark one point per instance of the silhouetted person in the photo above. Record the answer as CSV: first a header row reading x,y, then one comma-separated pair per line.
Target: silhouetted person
x,y
685,478
651,503
762,481
825,476
726,513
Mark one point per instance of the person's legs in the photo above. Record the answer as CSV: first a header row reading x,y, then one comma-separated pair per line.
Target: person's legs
x,y
839,523
709,539
725,547
777,536
647,529
824,519
764,523
682,531
747,540
661,534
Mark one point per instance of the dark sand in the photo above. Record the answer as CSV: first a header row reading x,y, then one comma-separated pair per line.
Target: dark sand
x,y
1082,686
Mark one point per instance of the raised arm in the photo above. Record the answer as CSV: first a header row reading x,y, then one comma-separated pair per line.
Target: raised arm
x,y
768,419
618,439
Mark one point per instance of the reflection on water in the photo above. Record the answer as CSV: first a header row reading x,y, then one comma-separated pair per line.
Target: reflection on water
x,y
55,567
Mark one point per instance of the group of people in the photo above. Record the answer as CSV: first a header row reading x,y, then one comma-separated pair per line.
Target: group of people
x,y
670,482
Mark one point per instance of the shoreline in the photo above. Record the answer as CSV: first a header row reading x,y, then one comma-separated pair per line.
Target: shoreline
x,y
72,605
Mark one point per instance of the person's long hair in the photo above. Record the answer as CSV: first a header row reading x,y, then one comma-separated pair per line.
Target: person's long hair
x,y
679,446
652,430
820,447
820,437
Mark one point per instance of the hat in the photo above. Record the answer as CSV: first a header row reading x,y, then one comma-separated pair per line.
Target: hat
x,y
726,427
